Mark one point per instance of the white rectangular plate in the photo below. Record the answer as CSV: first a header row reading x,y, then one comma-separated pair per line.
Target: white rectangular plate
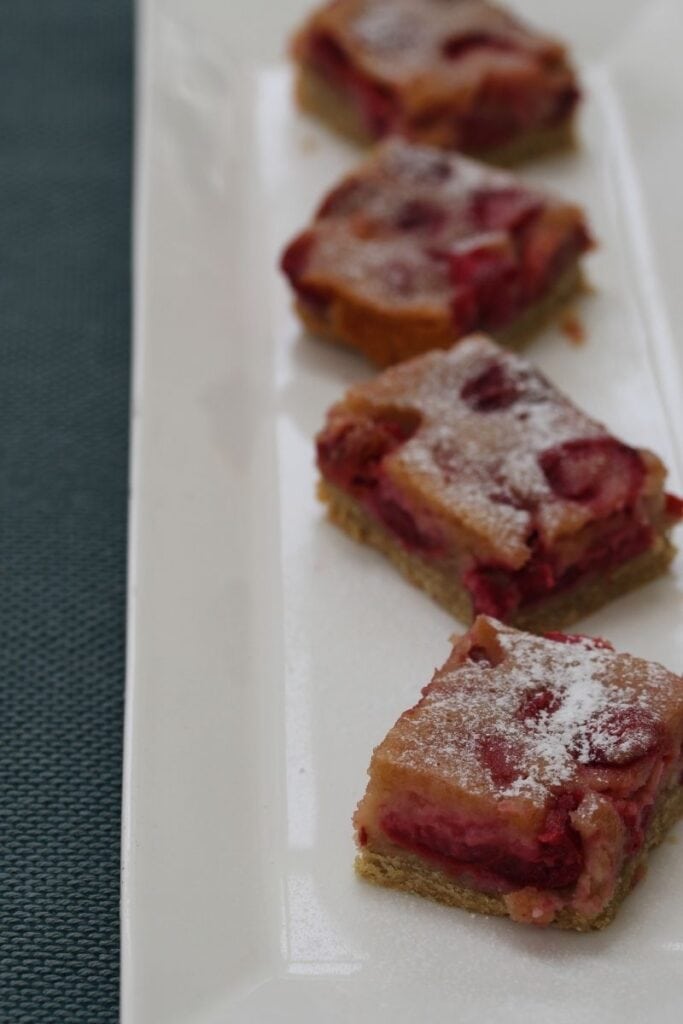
x,y
268,654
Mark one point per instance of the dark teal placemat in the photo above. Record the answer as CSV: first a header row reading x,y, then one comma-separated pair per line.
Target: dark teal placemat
x,y
65,139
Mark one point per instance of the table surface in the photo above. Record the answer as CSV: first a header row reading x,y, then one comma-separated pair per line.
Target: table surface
x,y
65,124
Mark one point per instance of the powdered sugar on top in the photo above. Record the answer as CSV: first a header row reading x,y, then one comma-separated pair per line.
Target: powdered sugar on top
x,y
388,28
534,723
481,465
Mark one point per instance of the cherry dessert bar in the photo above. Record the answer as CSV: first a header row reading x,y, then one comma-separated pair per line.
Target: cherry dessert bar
x,y
417,248
487,487
463,74
530,780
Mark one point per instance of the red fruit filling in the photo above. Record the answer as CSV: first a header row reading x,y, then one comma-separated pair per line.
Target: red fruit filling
x,y
419,215
506,108
503,209
673,507
553,861
537,703
635,816
294,263
485,275
377,104
602,473
498,592
564,105
501,759
578,638
513,260
490,390
350,455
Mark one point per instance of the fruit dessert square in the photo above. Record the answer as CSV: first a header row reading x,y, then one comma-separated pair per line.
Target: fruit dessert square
x,y
417,248
531,780
462,74
491,490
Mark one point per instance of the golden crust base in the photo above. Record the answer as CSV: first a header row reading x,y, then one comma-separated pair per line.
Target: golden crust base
x,y
405,871
316,96
558,611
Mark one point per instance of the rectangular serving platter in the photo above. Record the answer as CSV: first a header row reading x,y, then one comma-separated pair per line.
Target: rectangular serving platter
x,y
267,653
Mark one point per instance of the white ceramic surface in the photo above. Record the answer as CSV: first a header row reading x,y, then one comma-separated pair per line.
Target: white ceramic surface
x,y
268,653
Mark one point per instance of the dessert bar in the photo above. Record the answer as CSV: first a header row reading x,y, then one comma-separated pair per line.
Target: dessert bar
x,y
463,74
417,248
488,488
531,779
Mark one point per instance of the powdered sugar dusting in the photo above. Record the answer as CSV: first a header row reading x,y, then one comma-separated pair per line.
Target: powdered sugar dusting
x,y
535,722
484,465
387,29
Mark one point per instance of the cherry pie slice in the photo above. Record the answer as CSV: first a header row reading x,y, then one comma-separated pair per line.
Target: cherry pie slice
x,y
417,248
531,779
488,488
462,74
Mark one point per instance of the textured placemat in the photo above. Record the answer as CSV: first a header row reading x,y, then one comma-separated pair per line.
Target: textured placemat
x,y
65,136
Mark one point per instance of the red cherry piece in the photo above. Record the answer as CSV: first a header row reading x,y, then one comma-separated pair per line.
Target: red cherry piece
x,y
478,259
556,861
617,737
401,523
565,103
536,703
296,256
602,473
378,105
503,209
487,266
673,506
327,53
419,215
578,638
492,592
294,264
490,390
563,854
350,453
556,820
464,308
500,757
536,579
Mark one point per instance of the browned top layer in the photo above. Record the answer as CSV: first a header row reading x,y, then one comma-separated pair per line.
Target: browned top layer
x,y
424,49
485,419
385,235
520,717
